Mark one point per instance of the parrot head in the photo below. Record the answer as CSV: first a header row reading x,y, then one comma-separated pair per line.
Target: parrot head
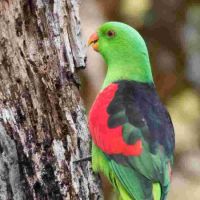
x,y
122,47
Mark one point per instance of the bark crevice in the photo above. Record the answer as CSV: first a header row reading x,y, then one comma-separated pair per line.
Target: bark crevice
x,y
43,129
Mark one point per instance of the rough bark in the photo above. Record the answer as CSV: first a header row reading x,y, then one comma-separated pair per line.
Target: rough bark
x,y
43,129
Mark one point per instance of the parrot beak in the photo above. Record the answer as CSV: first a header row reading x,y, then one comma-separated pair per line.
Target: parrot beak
x,y
93,41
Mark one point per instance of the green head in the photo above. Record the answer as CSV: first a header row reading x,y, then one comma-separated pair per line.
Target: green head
x,y
124,51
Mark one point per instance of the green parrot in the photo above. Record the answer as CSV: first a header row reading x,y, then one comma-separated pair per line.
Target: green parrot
x,y
132,133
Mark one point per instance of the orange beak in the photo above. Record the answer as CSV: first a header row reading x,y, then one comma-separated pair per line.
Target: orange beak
x,y
93,41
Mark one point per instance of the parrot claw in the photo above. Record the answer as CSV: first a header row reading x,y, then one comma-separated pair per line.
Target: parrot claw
x,y
88,158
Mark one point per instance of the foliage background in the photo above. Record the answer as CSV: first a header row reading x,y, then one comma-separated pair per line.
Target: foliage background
x,y
172,32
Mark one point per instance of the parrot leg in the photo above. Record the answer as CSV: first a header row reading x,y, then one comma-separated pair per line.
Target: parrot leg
x,y
88,158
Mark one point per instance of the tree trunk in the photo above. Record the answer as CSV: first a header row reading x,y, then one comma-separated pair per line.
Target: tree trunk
x,y
43,129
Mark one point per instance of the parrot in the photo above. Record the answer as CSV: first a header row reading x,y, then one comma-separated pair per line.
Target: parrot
x,y
132,133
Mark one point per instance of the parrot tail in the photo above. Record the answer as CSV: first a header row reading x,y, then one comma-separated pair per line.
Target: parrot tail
x,y
156,191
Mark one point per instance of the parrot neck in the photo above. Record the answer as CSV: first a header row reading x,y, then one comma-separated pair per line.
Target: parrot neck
x,y
140,72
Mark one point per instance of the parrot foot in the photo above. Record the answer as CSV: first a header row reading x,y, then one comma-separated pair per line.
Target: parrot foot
x,y
88,158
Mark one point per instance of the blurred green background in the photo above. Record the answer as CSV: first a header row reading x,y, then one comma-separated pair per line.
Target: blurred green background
x,y
171,30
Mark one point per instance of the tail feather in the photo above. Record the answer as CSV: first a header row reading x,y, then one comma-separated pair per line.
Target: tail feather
x,y
165,190
156,191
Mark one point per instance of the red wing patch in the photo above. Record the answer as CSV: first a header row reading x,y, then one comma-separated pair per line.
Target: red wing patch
x,y
109,140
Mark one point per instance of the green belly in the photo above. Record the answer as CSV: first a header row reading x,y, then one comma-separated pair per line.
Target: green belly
x,y
101,164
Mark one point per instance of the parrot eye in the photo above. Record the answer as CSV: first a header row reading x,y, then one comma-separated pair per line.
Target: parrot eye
x,y
111,33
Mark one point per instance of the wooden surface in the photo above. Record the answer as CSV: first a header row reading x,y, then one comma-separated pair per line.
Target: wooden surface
x,y
43,129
